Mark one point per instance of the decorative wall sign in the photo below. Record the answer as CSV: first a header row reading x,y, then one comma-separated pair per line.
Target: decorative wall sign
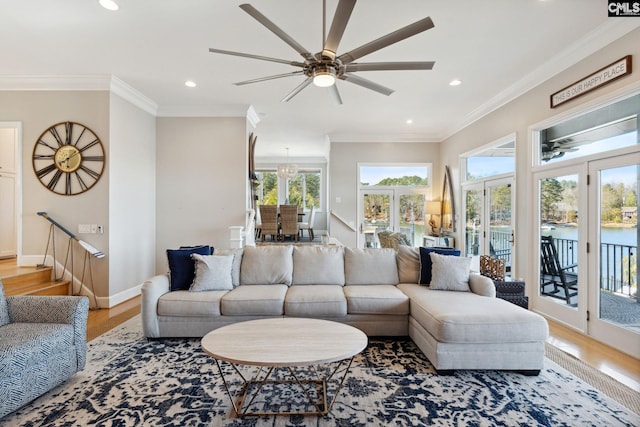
x,y
603,76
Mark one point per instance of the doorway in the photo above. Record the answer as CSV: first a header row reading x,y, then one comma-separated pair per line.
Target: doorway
x,y
587,183
10,149
395,202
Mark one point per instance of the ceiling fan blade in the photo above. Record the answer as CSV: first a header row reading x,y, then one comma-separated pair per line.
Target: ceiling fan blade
x,y
352,78
262,58
277,31
297,90
338,25
263,79
389,39
335,95
384,66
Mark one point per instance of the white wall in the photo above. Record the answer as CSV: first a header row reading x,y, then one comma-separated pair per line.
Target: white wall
x,y
132,198
201,182
518,115
343,176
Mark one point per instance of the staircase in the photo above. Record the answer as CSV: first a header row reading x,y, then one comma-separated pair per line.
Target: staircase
x,y
29,280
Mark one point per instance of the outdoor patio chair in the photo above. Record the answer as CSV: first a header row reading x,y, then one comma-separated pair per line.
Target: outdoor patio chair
x,y
555,280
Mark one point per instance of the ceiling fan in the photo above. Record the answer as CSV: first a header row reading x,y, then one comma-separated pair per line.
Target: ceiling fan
x,y
323,68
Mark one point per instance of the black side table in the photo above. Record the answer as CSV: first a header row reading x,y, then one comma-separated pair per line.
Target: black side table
x,y
512,291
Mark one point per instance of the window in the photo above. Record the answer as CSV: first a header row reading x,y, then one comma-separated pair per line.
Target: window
x,y
304,189
492,161
597,132
268,189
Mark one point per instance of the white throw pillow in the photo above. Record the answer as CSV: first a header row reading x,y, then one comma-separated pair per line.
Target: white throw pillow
x,y
213,273
237,262
449,273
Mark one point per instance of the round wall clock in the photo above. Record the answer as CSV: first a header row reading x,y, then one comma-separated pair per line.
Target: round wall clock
x,y
68,158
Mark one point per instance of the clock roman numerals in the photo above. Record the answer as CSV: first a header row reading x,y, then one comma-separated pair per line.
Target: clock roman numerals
x,y
68,158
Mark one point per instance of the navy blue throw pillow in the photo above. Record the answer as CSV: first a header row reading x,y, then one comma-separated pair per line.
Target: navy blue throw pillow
x,y
182,267
425,261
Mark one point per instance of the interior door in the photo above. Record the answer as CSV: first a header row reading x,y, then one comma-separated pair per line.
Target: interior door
x,y
613,300
375,215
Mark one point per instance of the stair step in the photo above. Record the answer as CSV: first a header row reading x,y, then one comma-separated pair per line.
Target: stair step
x,y
25,276
44,288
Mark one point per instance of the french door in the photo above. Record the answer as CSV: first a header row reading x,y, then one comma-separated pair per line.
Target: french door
x,y
489,213
588,212
394,209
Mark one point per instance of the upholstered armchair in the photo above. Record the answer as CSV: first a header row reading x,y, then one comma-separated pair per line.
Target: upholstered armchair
x,y
43,341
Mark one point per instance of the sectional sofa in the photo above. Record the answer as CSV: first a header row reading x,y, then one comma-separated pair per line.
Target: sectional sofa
x,y
452,316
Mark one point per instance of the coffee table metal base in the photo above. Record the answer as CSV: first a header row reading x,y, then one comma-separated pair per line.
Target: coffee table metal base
x,y
251,388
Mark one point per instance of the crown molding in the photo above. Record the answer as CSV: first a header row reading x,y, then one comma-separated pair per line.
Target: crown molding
x,y
220,110
51,82
604,34
252,116
382,138
135,97
79,83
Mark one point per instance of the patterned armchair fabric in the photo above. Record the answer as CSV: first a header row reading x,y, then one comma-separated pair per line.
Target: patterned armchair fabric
x,y
41,346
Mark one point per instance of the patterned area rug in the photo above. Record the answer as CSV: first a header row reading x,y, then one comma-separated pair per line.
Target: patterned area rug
x,y
129,381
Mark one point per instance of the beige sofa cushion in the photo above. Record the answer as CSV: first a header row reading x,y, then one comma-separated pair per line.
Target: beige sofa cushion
x,y
376,299
408,260
464,317
254,300
318,265
267,265
370,266
315,301
190,304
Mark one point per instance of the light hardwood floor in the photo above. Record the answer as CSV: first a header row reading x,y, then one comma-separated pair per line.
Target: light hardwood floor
x,y
614,363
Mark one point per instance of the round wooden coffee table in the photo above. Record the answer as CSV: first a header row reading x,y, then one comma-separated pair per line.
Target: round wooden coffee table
x,y
284,343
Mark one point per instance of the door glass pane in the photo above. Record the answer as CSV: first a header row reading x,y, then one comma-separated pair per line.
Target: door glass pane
x,y
559,239
473,221
411,215
501,229
618,236
376,216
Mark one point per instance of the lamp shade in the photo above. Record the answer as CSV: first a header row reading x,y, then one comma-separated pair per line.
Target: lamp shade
x,y
433,208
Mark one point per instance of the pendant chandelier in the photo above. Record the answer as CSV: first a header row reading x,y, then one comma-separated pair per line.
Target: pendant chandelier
x,y
287,170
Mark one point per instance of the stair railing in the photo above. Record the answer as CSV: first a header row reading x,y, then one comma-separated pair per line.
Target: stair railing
x,y
89,251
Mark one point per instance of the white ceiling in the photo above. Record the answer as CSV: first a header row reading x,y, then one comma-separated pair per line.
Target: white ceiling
x,y
498,48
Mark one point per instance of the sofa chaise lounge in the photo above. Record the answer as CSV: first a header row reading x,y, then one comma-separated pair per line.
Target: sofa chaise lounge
x,y
375,290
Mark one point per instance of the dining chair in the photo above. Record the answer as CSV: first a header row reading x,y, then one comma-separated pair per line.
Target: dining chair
x,y
289,221
308,225
269,221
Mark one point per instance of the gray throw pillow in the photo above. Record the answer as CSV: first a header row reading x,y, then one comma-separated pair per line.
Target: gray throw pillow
x,y
450,273
213,273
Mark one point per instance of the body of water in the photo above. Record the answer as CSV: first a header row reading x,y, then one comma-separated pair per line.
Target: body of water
x,y
617,236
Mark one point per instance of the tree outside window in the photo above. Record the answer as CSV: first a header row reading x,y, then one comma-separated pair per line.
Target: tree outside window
x,y
304,189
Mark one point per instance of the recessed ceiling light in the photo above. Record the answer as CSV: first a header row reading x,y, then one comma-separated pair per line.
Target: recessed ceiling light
x,y
455,82
190,83
409,121
109,4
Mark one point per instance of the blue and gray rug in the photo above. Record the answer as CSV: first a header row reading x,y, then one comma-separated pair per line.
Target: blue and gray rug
x,y
131,382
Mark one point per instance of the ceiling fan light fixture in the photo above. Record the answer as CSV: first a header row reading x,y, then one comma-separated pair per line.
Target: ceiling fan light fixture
x,y
324,76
